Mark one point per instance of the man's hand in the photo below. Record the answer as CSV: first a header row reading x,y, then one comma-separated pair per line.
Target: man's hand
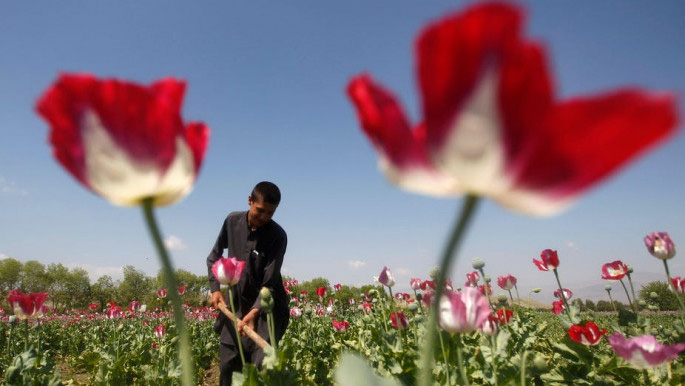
x,y
216,299
248,320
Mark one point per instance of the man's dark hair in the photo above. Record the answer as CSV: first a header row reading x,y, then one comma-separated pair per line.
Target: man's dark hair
x,y
267,192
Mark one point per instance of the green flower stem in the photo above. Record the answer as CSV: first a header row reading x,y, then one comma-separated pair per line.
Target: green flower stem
x,y
26,334
563,295
185,354
444,356
677,294
633,306
632,289
419,302
235,325
611,300
460,360
385,315
467,210
523,366
517,294
272,328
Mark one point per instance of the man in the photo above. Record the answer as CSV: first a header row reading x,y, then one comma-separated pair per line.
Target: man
x,y
251,236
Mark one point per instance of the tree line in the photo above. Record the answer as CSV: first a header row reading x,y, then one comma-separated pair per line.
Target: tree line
x,y
72,289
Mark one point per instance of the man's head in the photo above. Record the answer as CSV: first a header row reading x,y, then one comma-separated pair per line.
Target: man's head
x,y
263,202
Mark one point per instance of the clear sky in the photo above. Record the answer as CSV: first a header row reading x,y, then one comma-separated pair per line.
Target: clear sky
x,y
269,77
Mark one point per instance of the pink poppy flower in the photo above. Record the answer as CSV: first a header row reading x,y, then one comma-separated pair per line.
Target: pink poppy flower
x,y
660,245
340,326
567,294
506,282
678,284
93,306
588,335
27,306
615,270
160,331
490,326
295,312
227,271
337,287
386,277
134,305
415,284
113,312
399,320
463,312
644,351
492,124
549,260
124,141
161,293
352,301
181,290
485,289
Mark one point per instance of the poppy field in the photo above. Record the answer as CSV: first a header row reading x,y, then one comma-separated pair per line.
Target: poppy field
x,y
376,338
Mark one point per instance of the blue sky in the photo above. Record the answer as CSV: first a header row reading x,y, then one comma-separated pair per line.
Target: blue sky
x,y
269,79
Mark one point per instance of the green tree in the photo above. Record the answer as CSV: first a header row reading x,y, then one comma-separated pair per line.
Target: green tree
x,y
590,305
57,278
103,291
666,299
35,277
10,276
135,286
77,287
311,287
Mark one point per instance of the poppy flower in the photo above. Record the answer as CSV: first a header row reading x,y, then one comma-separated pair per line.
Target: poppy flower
x,y
644,351
558,307
113,312
27,306
340,326
181,290
386,277
678,284
161,293
427,285
492,125
505,316
399,320
463,312
472,279
660,245
227,270
485,289
415,283
321,291
506,282
337,287
549,260
490,327
367,307
134,305
616,270
295,312
160,331
588,335
568,294
124,141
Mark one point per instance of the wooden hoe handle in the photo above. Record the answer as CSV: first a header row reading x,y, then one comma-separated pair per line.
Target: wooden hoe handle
x,y
248,331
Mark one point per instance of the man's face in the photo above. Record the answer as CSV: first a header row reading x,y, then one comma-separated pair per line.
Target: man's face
x,y
260,212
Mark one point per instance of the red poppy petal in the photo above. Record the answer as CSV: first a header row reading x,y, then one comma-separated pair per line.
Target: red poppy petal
x,y
453,55
593,137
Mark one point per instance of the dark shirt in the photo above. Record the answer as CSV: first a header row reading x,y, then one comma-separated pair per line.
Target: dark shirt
x,y
263,251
